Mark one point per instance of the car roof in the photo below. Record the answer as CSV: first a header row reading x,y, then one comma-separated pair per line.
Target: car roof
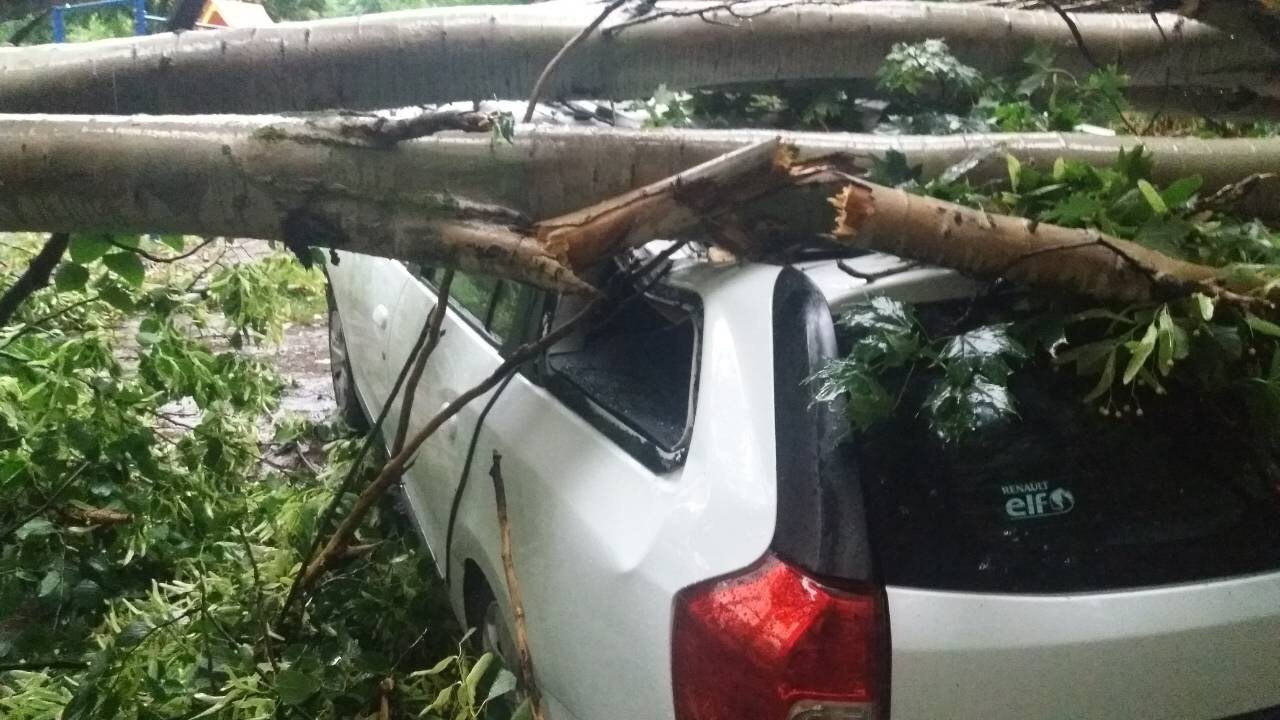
x,y
842,281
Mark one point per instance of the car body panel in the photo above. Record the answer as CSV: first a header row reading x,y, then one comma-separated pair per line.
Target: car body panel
x,y
1184,652
367,290
603,544
636,537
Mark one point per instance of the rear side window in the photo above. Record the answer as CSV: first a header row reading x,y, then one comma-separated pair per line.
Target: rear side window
x,y
634,375
474,293
499,307
1066,500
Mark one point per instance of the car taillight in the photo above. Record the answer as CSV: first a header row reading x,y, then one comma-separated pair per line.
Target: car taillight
x,y
775,644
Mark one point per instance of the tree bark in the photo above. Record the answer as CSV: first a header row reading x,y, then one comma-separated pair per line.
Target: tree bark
x,y
35,276
321,182
241,176
989,246
447,54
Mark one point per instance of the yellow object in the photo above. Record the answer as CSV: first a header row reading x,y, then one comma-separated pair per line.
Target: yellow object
x,y
234,13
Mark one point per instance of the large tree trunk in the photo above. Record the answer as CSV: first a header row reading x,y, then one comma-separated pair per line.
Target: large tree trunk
x,y
439,55
245,175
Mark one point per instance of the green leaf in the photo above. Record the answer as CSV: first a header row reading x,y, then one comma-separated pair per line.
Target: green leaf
x,y
87,248
437,668
117,297
894,170
1172,343
1264,327
1139,351
442,700
957,410
70,277
1152,197
869,402
294,687
472,681
127,265
883,332
1182,190
1077,209
503,683
35,527
1204,304
1015,171
175,242
51,583
982,351
1105,379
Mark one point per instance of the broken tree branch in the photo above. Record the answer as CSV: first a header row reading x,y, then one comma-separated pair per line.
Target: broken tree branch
x,y
35,276
524,656
394,467
409,376
435,320
565,50
987,246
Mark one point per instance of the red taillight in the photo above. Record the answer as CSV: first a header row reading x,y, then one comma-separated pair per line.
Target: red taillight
x,y
775,644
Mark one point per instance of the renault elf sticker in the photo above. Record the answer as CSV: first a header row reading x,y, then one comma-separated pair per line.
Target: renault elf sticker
x,y
1024,501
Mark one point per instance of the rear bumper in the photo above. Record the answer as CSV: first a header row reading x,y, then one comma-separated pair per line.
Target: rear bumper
x,y
1204,651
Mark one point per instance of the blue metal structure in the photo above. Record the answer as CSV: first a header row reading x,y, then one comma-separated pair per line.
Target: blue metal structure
x,y
60,14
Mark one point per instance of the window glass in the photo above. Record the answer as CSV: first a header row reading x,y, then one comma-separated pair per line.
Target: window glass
x,y
638,367
1062,499
505,315
473,292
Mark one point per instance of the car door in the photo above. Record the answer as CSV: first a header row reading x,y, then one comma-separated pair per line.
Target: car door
x,y
603,532
484,314
366,289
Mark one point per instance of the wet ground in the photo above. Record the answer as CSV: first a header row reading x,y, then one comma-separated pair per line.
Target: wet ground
x,y
301,359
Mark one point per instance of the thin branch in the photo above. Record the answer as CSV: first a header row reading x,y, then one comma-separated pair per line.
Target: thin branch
x,y
568,46
514,597
1084,50
871,277
48,503
160,258
1075,33
331,511
653,268
258,594
33,324
703,13
36,276
435,320
392,470
1236,191
205,270
36,665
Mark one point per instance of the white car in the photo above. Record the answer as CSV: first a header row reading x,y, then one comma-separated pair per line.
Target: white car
x,y
697,540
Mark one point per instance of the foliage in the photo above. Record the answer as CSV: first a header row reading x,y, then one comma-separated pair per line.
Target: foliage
x,y
1123,357
146,540
1126,354
921,88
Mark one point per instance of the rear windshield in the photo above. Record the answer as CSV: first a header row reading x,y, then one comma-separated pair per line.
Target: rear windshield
x,y
1066,500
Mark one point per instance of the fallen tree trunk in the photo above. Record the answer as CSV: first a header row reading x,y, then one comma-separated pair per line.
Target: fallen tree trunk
x,y
239,175
447,54
336,181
